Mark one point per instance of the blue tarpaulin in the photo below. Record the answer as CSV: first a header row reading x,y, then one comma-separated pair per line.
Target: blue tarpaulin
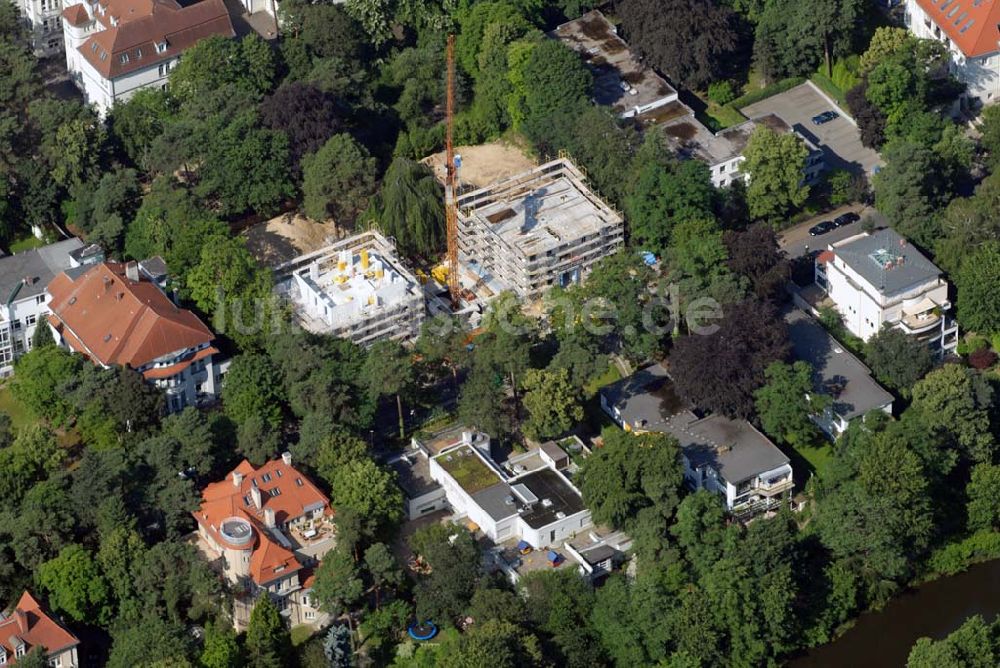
x,y
648,258
523,545
554,557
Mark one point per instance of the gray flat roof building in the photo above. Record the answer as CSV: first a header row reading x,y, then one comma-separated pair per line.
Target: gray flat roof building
x,y
838,373
886,260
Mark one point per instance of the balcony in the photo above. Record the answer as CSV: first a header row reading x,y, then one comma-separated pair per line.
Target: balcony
x,y
919,323
771,489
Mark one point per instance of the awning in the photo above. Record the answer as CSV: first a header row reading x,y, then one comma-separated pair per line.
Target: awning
x,y
925,304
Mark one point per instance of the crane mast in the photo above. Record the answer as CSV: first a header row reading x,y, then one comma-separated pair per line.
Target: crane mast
x,y
450,206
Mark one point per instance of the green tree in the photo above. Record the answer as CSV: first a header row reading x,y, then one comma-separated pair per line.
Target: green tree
x,y
338,450
221,650
42,336
252,388
978,281
897,360
553,403
409,207
368,491
792,39
909,189
267,641
957,401
547,79
42,375
338,586
75,585
32,456
494,643
967,224
886,41
389,371
975,644
445,593
337,180
382,569
216,62
989,140
983,491
138,121
774,163
787,401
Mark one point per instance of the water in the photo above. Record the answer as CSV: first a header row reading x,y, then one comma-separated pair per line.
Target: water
x,y
883,639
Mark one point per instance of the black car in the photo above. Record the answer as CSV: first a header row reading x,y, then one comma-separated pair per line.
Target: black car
x,y
825,117
821,228
846,219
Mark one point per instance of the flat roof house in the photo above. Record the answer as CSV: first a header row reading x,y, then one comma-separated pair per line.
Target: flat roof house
x,y
116,314
880,279
968,29
356,289
621,80
270,526
728,457
533,231
24,278
26,626
838,374
117,47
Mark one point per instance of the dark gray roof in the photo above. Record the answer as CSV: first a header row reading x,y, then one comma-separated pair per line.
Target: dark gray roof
x,y
413,475
838,373
860,253
36,267
548,485
497,500
155,267
733,448
598,553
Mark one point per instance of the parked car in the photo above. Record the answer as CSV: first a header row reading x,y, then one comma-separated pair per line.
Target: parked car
x,y
821,228
846,219
825,117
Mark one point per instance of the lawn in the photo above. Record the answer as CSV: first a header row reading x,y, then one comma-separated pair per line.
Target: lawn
x,y
817,456
301,634
27,243
610,375
826,84
20,416
723,116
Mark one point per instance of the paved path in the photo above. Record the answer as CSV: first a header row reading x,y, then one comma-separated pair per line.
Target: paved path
x,y
839,138
796,240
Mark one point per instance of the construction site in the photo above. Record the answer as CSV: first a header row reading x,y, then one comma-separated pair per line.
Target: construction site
x,y
355,289
528,233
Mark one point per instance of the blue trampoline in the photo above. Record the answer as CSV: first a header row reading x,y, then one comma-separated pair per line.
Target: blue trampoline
x,y
424,631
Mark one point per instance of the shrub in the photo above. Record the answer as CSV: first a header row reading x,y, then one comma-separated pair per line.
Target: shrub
x,y
956,557
721,92
845,73
767,91
983,358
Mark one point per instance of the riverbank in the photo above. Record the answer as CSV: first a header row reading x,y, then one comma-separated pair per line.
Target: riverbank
x,y
934,609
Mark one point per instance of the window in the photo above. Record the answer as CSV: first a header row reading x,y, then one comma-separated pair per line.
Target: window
x,y
161,47
266,477
124,58
31,320
298,481
164,69
20,650
310,614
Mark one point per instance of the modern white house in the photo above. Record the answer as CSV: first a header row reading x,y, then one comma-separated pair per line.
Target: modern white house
x,y
727,457
117,315
968,29
836,373
877,279
269,527
24,278
355,289
117,47
44,25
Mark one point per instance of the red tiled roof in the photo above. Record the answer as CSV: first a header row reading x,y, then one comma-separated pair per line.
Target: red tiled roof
x,y
142,24
296,496
973,25
825,256
29,622
167,371
76,15
115,320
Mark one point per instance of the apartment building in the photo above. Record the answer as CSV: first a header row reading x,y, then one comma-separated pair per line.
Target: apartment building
x,y
117,315
24,278
44,25
968,29
268,528
117,47
26,626
533,231
356,289
727,457
877,279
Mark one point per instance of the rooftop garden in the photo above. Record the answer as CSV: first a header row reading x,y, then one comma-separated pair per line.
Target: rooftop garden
x,y
467,469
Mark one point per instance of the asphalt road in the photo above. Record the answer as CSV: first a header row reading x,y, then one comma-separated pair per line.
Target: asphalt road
x,y
795,241
838,138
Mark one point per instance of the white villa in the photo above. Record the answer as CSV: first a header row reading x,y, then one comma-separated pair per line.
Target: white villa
x,y
42,17
878,279
968,29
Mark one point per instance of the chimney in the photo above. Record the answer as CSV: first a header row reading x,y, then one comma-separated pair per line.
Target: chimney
x,y
269,518
237,479
255,494
286,457
132,271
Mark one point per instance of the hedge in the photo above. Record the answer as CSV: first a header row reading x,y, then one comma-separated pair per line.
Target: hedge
x,y
767,91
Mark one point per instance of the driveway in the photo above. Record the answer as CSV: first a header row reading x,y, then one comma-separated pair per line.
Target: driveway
x,y
839,138
796,242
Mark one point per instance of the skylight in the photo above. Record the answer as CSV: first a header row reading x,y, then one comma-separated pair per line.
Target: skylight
x,y
886,259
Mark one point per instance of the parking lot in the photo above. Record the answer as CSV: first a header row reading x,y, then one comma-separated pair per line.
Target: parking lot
x,y
838,138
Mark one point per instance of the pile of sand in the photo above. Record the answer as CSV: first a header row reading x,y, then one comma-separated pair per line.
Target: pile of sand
x,y
484,164
287,236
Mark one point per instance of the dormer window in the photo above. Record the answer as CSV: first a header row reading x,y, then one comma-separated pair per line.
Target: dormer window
x,y
93,46
138,54
124,58
104,55
161,47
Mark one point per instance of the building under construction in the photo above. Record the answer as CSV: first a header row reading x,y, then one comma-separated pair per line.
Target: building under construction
x,y
355,289
530,232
